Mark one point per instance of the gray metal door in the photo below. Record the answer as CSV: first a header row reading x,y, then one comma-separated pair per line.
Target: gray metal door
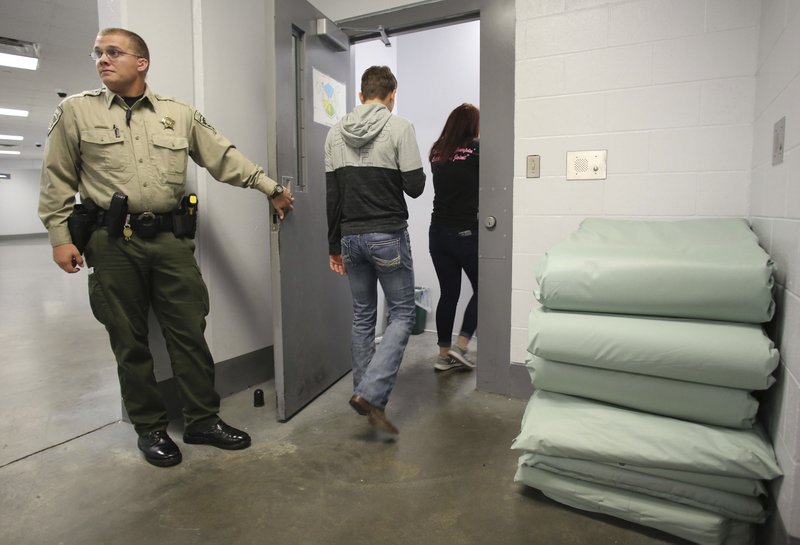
x,y
312,305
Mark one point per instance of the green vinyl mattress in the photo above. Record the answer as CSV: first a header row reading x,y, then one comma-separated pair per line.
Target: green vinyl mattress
x,y
702,403
734,355
708,269
690,523
573,427
746,508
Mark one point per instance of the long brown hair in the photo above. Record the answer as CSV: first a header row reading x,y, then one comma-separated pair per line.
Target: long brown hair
x,y
461,128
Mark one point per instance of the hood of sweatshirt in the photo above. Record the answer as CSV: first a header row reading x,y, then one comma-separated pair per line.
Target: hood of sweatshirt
x,y
363,124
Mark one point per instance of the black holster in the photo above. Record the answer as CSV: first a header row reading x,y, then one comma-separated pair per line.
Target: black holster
x,y
82,223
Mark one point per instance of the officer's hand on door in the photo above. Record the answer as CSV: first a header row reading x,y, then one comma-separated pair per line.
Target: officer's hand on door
x,y
282,203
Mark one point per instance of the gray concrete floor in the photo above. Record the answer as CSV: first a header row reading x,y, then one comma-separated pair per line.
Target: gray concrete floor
x,y
70,472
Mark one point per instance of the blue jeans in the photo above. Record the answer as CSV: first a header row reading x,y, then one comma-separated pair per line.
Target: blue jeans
x,y
386,258
454,249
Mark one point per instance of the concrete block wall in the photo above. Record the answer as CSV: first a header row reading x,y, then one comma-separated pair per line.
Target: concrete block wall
x,y
775,215
668,87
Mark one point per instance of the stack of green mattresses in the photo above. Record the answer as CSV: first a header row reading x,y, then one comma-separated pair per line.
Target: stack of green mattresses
x,y
644,356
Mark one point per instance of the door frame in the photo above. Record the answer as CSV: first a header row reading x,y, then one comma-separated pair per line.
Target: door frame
x,y
495,372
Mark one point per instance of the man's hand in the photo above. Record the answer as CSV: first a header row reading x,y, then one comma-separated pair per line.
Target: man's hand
x,y
67,257
337,265
283,202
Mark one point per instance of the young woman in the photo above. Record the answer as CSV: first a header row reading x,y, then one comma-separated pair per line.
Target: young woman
x,y
453,235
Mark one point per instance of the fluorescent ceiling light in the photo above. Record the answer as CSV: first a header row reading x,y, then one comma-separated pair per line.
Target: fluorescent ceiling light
x,y
18,61
16,113
5,152
11,137
19,54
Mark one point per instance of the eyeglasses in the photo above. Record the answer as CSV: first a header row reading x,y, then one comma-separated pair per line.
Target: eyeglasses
x,y
110,52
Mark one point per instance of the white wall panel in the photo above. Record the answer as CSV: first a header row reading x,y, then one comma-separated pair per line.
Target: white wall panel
x,y
577,31
540,77
611,68
550,196
652,20
728,101
707,56
768,191
723,193
701,149
658,107
573,114
730,14
650,195
784,248
529,9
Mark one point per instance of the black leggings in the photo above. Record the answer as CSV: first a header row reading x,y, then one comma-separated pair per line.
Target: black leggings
x,y
452,250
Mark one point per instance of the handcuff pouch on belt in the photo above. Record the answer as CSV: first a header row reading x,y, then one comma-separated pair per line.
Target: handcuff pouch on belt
x,y
116,216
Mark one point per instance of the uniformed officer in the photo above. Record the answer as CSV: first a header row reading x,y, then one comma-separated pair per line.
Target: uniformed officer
x,y
124,138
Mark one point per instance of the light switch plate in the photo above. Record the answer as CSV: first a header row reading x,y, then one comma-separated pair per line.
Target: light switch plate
x,y
586,165
533,166
778,136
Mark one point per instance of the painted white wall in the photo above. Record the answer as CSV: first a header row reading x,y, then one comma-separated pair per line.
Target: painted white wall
x,y
426,94
775,215
19,198
666,86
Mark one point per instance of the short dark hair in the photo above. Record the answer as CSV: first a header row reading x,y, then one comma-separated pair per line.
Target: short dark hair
x,y
138,44
377,82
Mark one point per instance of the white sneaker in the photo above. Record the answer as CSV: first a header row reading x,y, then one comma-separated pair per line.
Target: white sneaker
x,y
460,355
445,363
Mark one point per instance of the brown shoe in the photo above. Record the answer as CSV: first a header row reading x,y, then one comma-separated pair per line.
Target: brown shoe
x,y
378,420
361,405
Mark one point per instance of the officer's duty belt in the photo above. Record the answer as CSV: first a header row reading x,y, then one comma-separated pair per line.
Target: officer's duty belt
x,y
145,224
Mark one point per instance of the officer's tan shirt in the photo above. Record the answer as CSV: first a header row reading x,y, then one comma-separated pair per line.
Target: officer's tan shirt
x,y
91,149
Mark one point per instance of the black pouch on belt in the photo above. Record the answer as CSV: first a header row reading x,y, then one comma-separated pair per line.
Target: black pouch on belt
x,y
82,223
184,218
117,214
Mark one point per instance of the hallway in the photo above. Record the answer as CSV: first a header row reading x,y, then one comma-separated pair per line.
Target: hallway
x,y
70,472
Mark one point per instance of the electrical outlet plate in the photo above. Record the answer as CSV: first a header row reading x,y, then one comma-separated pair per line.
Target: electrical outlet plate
x,y
778,136
586,165
533,166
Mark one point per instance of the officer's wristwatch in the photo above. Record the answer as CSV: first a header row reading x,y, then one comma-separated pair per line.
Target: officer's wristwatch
x,y
277,191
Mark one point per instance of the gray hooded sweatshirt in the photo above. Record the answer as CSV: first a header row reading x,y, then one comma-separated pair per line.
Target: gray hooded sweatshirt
x,y
371,159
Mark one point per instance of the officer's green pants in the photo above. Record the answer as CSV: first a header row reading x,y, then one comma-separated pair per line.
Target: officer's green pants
x,y
129,278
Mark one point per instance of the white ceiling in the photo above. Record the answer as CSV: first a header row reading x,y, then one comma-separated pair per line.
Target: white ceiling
x,y
65,30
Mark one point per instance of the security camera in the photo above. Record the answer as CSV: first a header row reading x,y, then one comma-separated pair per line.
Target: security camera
x,y
38,144
61,93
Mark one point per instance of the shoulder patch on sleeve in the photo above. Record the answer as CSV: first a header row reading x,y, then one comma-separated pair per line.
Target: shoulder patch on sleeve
x,y
202,120
54,121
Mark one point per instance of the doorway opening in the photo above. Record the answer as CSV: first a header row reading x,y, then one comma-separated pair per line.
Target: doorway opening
x,y
437,69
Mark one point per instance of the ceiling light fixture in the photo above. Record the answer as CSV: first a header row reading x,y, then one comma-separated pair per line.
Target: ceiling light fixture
x,y
11,137
19,54
12,112
6,152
